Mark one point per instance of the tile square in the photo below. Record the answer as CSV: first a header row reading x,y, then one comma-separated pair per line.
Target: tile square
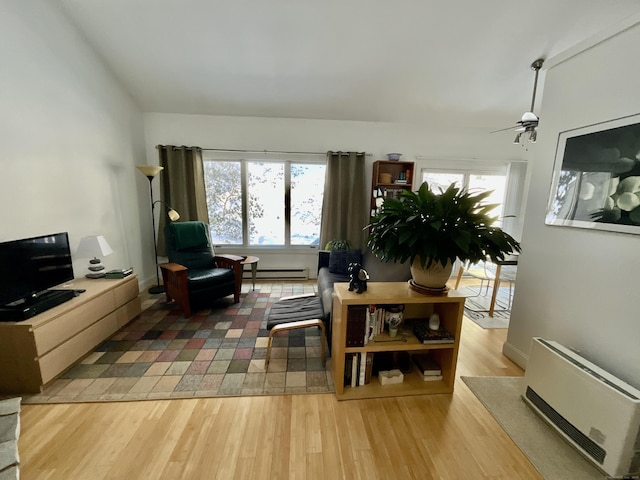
x,y
157,369
238,366
129,357
224,354
234,333
169,334
178,368
195,343
168,355
205,355
243,353
219,366
198,368
187,355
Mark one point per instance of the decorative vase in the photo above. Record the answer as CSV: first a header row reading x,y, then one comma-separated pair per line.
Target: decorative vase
x,y
435,277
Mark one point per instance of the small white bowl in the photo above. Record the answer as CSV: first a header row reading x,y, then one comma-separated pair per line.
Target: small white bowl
x,y
394,156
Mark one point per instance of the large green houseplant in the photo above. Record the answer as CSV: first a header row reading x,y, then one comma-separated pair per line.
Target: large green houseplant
x,y
432,230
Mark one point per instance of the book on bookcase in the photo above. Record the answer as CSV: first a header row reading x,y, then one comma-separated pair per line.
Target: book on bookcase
x,y
357,324
427,365
427,336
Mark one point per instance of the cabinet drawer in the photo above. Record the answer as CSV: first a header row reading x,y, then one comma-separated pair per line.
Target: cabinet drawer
x,y
128,312
54,333
127,291
62,357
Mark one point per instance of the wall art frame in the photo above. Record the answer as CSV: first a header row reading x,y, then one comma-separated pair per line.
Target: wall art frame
x,y
596,177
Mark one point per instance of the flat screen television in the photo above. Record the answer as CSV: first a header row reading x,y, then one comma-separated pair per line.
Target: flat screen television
x,y
30,266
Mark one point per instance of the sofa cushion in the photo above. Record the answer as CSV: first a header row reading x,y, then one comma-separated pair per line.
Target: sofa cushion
x,y
339,260
326,279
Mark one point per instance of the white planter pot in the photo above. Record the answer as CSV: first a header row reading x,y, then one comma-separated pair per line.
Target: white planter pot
x,y
435,277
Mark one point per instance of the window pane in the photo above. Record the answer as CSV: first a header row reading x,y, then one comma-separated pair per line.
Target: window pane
x,y
496,183
224,201
265,186
442,181
307,188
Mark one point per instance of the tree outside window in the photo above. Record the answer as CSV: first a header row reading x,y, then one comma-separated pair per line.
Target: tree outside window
x,y
264,203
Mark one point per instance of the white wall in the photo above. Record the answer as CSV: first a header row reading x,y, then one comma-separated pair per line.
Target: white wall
x,y
577,286
70,139
252,133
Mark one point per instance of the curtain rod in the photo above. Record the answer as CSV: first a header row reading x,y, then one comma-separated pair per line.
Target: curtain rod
x,y
271,151
262,151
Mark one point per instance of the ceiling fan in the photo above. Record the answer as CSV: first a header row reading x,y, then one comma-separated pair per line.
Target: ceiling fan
x,y
529,121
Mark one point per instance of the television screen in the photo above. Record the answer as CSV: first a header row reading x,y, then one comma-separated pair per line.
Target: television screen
x,y
32,265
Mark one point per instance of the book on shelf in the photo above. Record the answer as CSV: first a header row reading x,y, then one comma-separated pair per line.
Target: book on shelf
x,y
358,368
427,336
426,364
357,325
348,362
119,273
354,370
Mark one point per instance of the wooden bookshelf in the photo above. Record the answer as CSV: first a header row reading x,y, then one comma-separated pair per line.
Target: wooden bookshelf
x,y
385,180
418,307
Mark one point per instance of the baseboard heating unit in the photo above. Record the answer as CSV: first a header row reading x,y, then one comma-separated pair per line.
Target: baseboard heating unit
x,y
591,409
280,274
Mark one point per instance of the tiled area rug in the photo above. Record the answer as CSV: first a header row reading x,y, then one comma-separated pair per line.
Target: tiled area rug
x,y
217,352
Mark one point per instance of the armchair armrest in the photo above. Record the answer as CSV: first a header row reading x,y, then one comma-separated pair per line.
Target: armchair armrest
x,y
323,258
174,277
232,262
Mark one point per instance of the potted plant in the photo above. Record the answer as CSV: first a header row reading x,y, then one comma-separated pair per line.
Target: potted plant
x,y
432,230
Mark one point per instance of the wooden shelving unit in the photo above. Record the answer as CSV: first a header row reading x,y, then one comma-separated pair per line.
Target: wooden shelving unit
x,y
384,179
418,307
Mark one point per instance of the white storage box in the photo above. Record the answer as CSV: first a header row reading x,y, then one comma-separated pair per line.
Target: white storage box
x,y
390,377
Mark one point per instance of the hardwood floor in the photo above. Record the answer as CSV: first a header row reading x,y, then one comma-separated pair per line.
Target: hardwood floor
x,y
283,437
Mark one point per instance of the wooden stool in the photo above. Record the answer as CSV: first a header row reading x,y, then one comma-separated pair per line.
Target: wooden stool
x,y
294,312
315,322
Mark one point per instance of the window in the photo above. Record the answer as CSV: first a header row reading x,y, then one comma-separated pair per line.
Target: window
x,y
472,181
264,202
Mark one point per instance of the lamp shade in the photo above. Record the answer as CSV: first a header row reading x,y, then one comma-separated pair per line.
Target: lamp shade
x,y
173,215
93,246
150,170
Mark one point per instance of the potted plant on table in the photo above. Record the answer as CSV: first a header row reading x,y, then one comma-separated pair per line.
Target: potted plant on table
x,y
432,230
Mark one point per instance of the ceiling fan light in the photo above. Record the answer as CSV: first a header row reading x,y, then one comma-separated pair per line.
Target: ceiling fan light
x,y
517,140
533,136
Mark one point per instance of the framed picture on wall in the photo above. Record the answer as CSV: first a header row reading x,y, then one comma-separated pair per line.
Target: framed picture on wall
x,y
596,177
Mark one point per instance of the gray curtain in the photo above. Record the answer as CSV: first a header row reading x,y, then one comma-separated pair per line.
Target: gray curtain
x,y
344,208
182,186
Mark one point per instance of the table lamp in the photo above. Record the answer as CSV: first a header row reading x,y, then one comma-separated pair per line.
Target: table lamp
x,y
94,246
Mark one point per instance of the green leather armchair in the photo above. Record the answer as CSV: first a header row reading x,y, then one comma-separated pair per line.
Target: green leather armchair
x,y
195,275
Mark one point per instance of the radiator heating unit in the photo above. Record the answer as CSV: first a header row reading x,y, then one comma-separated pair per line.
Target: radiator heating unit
x,y
591,409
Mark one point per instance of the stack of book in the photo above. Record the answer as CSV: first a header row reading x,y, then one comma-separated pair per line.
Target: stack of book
x,y
120,273
428,367
358,369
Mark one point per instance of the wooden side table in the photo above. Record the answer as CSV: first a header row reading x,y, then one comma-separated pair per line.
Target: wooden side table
x,y
253,261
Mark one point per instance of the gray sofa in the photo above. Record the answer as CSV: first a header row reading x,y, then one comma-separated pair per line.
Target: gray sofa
x,y
332,268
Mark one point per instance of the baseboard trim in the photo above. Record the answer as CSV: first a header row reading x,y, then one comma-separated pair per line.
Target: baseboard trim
x,y
516,356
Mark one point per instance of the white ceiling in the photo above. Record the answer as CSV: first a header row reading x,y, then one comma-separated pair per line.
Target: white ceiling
x,y
438,62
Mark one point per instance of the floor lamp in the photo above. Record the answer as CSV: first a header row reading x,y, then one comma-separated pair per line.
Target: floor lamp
x,y
150,171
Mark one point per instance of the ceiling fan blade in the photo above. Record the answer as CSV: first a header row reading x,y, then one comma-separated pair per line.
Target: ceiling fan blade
x,y
505,129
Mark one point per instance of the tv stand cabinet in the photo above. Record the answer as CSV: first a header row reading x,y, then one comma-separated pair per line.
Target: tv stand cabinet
x,y
35,351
